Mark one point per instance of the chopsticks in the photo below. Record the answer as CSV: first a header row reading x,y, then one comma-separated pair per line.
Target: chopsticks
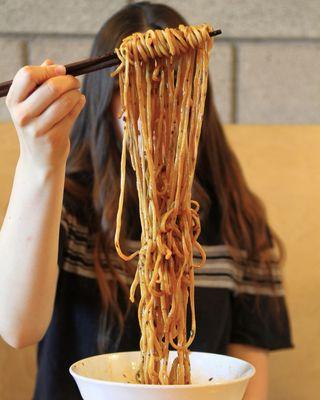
x,y
87,65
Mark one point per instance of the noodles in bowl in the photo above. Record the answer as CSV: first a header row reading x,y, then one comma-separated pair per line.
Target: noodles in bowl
x,y
112,376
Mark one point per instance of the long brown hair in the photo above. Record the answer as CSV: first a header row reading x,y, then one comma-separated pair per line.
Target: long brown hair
x,y
219,184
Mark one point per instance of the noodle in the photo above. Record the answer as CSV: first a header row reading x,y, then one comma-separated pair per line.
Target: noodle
x,y
163,81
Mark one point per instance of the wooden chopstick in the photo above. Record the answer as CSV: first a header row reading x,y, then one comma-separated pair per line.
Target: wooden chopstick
x,y
87,65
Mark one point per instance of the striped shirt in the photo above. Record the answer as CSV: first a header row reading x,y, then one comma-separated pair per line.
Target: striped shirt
x,y
219,271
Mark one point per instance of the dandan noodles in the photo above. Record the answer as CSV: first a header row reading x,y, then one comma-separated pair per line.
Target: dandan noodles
x,y
163,82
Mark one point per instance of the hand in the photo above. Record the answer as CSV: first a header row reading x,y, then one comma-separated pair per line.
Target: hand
x,y
43,115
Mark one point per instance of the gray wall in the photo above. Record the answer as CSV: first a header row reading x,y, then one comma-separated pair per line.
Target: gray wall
x,y
265,67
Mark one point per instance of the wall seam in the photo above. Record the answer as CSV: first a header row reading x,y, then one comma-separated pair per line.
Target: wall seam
x,y
222,39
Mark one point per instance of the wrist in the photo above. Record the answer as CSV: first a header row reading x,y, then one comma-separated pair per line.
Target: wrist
x,y
41,174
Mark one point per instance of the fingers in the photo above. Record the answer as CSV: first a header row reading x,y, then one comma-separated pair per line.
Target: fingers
x,y
28,78
66,123
48,61
45,95
56,112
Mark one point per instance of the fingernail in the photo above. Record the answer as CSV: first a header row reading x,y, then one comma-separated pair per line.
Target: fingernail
x,y
60,69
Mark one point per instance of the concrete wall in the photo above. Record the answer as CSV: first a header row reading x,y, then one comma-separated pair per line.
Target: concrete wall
x,y
265,66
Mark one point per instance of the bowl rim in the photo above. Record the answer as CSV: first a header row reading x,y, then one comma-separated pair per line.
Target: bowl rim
x,y
74,374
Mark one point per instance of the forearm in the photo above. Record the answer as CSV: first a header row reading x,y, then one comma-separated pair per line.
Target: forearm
x,y
28,253
258,357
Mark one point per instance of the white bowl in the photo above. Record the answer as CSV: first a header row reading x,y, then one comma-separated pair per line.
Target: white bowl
x,y
213,376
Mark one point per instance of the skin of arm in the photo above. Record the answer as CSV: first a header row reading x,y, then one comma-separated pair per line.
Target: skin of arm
x,y
258,385
43,103
28,249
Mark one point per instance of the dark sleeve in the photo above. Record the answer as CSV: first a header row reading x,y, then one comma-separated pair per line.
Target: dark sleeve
x,y
260,314
261,321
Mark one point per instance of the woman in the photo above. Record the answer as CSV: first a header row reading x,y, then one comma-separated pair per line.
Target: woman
x,y
81,307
